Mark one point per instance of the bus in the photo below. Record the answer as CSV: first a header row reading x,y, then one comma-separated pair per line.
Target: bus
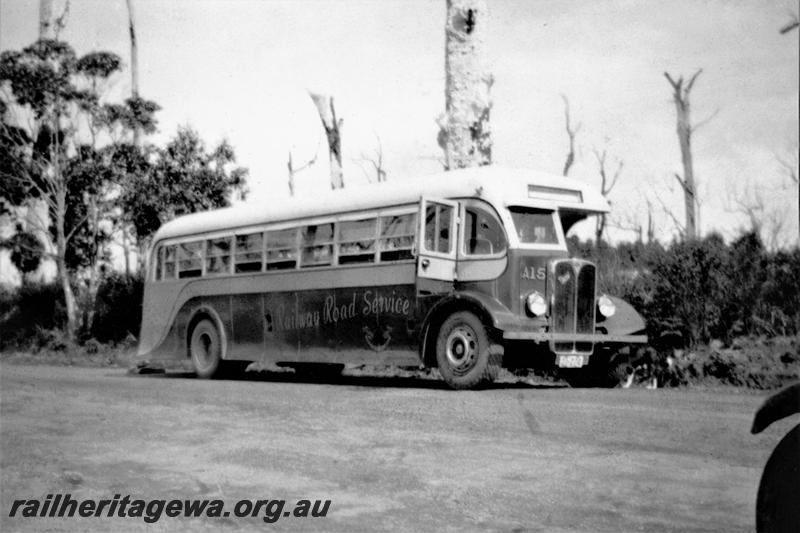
x,y
462,271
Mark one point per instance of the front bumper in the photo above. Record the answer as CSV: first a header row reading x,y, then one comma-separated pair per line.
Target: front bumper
x,y
597,338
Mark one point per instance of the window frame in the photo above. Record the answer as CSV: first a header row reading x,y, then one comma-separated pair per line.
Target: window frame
x,y
359,217
206,256
297,247
559,230
486,207
236,254
201,242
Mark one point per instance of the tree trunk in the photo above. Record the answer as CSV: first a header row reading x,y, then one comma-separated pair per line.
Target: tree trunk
x,y
134,67
127,252
333,131
47,24
681,98
51,25
465,133
61,263
94,270
685,139
572,132
600,228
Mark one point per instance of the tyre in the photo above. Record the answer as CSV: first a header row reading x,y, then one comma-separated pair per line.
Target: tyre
x,y
465,355
205,349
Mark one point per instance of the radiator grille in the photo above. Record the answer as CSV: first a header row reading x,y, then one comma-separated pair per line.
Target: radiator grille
x,y
573,304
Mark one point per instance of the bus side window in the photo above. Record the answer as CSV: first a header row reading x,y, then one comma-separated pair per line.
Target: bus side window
x,y
158,267
483,233
248,253
317,245
437,228
357,241
397,237
218,256
282,249
190,259
169,261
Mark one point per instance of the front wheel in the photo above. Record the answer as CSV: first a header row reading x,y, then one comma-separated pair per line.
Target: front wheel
x,y
464,354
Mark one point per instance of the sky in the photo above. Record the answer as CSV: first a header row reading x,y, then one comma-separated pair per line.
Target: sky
x,y
242,71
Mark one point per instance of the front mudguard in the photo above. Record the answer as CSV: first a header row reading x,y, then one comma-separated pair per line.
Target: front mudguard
x,y
488,309
625,321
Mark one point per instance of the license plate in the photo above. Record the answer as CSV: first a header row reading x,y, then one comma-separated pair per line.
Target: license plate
x,y
570,361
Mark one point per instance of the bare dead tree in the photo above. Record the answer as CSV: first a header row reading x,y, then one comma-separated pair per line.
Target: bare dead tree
x,y
679,226
651,229
763,218
376,161
294,170
50,25
685,129
134,66
333,131
464,128
607,183
572,132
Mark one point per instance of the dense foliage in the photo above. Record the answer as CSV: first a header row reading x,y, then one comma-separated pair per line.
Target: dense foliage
x,y
697,291
77,179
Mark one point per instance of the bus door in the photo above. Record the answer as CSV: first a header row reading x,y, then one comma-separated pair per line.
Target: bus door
x,y
437,243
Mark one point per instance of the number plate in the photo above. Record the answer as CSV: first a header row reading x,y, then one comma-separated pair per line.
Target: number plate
x,y
570,361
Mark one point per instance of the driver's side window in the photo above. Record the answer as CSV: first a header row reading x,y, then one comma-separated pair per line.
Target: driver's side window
x,y
483,232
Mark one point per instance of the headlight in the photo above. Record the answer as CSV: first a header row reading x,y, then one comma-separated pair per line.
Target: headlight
x,y
606,306
536,303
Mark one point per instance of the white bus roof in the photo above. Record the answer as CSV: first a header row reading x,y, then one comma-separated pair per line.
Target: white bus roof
x,y
498,185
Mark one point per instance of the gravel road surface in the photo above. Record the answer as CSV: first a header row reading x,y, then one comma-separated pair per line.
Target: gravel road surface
x,y
390,453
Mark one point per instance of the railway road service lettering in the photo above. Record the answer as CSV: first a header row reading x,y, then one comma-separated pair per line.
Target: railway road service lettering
x,y
331,312
375,303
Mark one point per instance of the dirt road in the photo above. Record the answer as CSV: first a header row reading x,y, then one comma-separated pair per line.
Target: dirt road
x,y
390,454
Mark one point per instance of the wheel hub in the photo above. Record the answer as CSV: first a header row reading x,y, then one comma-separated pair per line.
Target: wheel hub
x,y
202,350
461,347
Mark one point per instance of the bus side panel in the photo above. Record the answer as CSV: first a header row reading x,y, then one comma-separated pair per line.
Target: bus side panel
x,y
157,306
349,315
247,323
363,325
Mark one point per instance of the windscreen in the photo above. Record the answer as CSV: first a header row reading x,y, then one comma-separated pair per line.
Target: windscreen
x,y
534,226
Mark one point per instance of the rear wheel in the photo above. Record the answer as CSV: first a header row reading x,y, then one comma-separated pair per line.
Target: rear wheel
x,y
205,349
464,354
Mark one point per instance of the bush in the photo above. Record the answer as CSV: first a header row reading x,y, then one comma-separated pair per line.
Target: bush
x,y
52,340
34,315
118,308
31,309
701,290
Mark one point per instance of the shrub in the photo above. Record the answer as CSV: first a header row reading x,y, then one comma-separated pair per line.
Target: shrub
x,y
118,308
31,309
703,289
